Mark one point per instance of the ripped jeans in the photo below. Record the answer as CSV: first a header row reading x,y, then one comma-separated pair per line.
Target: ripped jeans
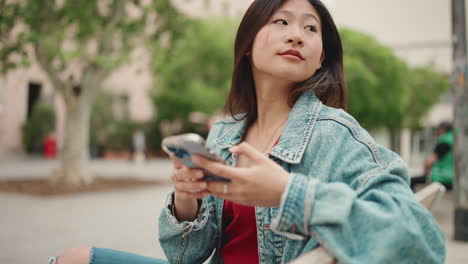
x,y
110,256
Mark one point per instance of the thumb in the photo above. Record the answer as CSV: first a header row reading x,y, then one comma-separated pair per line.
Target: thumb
x,y
250,152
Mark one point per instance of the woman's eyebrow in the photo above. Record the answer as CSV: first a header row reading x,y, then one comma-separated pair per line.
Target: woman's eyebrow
x,y
289,13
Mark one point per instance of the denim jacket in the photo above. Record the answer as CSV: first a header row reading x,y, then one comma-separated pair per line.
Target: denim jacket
x,y
344,192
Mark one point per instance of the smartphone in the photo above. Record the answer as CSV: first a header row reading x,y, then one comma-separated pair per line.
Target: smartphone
x,y
185,145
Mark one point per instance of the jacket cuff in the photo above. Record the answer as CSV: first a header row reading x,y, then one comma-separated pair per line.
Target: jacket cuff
x,y
296,205
186,226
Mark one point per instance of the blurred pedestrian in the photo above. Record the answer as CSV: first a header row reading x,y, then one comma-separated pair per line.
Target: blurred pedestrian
x,y
139,146
439,165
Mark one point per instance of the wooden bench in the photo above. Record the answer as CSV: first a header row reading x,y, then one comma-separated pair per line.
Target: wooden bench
x,y
428,196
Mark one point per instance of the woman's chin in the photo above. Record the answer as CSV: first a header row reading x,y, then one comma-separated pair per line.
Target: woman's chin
x,y
292,76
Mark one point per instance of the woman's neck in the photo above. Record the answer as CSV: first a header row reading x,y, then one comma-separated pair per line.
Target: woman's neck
x,y
272,102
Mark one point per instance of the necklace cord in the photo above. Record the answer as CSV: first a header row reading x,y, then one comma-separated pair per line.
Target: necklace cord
x,y
268,143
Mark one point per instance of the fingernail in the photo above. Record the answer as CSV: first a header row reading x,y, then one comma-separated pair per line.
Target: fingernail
x,y
202,185
199,174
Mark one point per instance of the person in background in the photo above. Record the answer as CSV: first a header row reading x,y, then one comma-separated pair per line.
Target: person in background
x,y
439,165
139,145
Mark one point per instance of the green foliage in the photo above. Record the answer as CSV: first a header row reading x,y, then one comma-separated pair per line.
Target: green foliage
x,y
106,130
377,81
47,25
121,135
153,135
382,90
102,119
41,123
194,73
426,88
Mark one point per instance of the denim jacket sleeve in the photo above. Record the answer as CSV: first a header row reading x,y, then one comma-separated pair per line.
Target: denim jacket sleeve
x,y
358,204
189,242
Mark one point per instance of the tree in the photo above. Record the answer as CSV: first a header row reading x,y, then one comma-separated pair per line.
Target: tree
x,y
383,91
426,86
200,78
376,78
88,38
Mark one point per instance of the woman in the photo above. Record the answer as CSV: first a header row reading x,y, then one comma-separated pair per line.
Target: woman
x,y
303,172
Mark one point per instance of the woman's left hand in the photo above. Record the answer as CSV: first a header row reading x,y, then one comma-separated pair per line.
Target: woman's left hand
x,y
261,184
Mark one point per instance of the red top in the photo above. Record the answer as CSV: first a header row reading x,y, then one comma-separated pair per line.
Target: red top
x,y
240,234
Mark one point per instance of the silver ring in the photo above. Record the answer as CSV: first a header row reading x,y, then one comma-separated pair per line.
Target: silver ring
x,y
225,190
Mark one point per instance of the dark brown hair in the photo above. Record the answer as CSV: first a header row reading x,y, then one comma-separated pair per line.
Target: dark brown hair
x,y
327,82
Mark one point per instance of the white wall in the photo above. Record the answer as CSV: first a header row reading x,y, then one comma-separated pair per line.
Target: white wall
x,y
418,30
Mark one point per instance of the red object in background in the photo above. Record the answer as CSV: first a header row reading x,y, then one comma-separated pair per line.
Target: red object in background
x,y
50,147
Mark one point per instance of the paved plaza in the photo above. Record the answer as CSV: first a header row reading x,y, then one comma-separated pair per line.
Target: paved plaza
x,y
34,228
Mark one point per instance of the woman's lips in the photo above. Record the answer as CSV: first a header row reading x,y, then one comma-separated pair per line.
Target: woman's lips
x,y
291,57
292,54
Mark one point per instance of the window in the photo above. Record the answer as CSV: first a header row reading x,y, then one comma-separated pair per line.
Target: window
x,y
34,94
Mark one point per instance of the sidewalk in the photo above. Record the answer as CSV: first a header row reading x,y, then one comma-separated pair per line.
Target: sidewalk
x,y
21,167
34,228
443,211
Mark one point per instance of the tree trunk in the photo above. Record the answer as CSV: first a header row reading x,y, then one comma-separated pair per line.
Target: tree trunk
x,y
405,145
395,140
74,169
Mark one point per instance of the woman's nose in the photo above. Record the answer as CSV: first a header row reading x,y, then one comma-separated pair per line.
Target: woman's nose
x,y
295,38
297,41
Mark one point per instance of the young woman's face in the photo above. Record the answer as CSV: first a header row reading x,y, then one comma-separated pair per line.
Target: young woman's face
x,y
289,46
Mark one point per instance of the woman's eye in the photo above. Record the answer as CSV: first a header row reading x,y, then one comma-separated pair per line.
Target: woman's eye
x,y
311,28
280,22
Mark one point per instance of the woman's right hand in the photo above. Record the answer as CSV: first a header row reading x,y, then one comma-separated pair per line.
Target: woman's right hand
x,y
188,188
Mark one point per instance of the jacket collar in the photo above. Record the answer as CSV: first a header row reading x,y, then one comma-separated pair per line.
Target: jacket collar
x,y
295,135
